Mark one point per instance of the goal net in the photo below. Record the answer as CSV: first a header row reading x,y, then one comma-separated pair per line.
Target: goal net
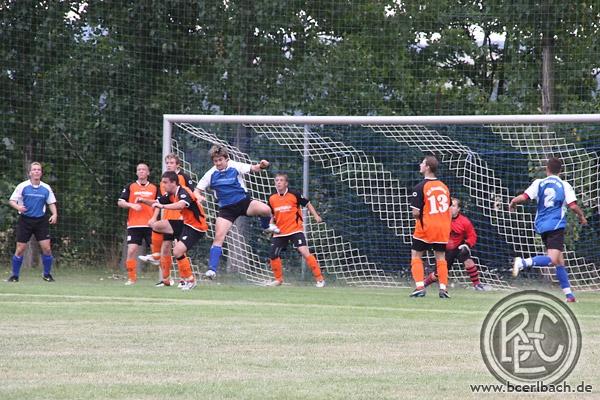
x,y
359,173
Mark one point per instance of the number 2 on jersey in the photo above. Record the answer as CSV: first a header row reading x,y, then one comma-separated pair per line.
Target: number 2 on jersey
x,y
549,196
438,204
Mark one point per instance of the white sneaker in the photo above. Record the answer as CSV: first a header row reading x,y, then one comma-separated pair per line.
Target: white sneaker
x,y
482,287
149,258
274,283
129,282
320,283
189,285
210,274
518,266
273,229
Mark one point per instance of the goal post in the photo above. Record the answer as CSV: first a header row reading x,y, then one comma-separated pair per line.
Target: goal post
x,y
359,171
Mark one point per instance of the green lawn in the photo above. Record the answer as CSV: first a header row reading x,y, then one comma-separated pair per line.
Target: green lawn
x,y
89,337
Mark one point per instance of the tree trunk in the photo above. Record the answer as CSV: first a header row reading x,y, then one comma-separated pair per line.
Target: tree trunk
x,y
548,100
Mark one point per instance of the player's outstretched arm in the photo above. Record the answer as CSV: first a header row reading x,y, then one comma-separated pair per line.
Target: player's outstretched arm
x,y
522,198
263,164
580,215
199,195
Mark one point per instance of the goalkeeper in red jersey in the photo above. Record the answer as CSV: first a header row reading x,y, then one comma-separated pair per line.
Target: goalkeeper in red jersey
x,y
462,239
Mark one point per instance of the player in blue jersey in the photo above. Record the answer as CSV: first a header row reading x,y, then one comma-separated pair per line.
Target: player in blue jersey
x,y
30,199
226,180
553,196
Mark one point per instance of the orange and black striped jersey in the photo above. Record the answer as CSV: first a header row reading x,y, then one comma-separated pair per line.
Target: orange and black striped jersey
x,y
193,213
183,181
287,211
432,198
139,219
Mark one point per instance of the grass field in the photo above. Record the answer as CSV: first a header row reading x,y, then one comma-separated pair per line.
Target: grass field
x,y
89,337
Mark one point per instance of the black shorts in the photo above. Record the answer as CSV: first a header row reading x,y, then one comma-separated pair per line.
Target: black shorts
x,y
420,245
177,226
27,226
232,211
136,235
190,236
456,254
554,239
279,243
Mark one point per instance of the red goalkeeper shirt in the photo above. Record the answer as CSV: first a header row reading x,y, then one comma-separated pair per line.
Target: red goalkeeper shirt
x,y
462,231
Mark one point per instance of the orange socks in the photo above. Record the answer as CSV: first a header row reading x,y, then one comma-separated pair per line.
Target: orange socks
x,y
418,273
277,268
442,271
131,265
157,241
313,264
185,268
165,266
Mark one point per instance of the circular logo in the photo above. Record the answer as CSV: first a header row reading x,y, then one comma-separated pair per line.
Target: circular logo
x,y
530,337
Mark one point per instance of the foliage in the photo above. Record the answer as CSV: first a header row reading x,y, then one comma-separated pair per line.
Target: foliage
x,y
84,84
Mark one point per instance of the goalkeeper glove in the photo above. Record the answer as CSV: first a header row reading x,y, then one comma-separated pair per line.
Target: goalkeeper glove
x,y
465,250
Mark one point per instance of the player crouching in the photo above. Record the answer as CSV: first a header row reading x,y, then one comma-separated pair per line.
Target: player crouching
x,y
462,239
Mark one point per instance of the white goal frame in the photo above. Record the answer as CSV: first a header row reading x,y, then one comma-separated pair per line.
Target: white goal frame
x,y
381,122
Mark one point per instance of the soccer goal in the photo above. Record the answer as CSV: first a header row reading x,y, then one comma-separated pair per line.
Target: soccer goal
x,y
359,173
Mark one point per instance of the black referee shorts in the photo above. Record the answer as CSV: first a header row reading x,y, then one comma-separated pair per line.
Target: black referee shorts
x,y
27,226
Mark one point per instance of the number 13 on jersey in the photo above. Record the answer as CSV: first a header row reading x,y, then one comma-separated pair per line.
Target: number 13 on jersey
x,y
438,203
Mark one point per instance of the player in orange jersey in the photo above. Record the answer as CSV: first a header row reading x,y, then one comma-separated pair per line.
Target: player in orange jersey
x,y
162,244
138,216
287,215
177,197
431,209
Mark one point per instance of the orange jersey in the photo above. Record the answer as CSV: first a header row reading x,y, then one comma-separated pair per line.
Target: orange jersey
x,y
183,181
432,198
139,219
193,213
287,211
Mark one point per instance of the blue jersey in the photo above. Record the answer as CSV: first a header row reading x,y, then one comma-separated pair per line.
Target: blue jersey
x,y
34,198
552,195
228,184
